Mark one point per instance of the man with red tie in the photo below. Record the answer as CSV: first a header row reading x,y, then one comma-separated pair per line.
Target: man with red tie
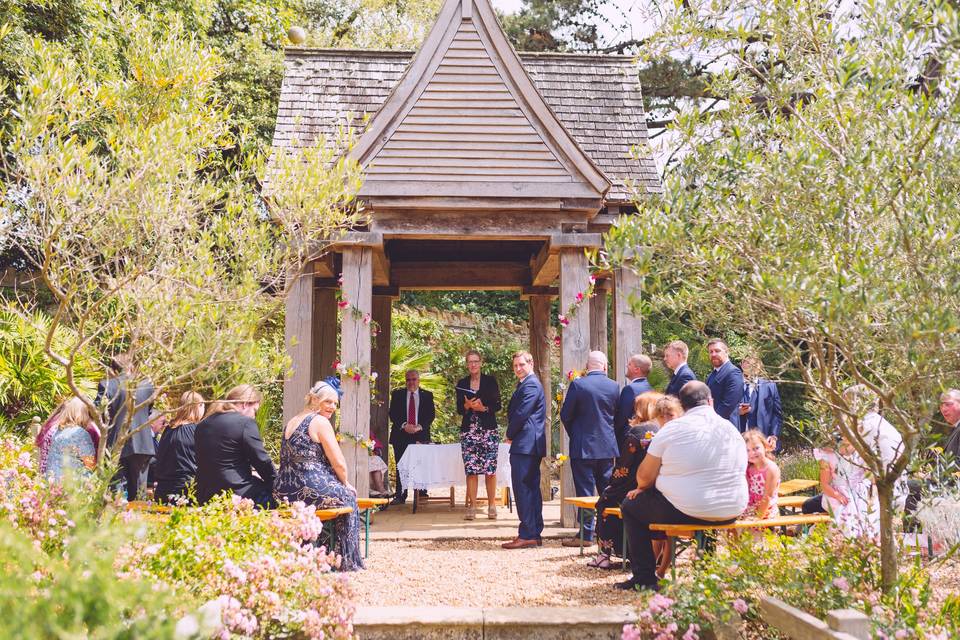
x,y
411,414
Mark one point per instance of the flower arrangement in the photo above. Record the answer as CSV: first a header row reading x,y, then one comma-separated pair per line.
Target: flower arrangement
x,y
354,371
574,308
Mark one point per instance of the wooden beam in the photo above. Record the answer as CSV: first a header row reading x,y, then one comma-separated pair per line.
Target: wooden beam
x,y
325,330
298,338
575,345
355,351
381,267
627,327
527,292
390,292
582,240
458,275
359,239
545,266
478,225
488,204
325,267
380,362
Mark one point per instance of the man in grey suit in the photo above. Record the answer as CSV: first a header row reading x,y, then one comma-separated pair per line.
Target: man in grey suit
x,y
138,448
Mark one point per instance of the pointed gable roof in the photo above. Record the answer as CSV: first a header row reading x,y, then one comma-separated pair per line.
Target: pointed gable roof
x,y
465,120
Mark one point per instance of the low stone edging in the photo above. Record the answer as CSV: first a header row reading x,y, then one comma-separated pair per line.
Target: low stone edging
x,y
494,623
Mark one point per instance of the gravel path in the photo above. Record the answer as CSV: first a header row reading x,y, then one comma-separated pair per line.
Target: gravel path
x,y
478,573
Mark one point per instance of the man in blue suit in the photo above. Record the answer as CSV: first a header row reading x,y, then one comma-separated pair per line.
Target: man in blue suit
x,y
587,415
526,422
725,382
760,407
675,358
638,368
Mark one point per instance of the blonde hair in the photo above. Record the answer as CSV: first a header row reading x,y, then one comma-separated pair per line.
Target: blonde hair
x,y
320,391
755,435
240,394
190,410
645,408
74,412
526,355
666,403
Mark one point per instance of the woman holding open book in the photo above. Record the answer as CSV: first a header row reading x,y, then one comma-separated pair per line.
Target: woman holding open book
x,y
478,400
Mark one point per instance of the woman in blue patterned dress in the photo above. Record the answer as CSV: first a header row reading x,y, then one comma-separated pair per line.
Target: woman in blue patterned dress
x,y
478,400
313,470
72,451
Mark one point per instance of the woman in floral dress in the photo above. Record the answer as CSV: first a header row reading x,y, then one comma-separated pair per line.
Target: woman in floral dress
x,y
72,450
478,400
314,471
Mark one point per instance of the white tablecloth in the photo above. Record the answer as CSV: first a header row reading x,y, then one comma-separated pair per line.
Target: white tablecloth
x,y
434,466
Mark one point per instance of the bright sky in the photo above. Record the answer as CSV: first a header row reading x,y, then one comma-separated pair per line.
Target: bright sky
x,y
626,13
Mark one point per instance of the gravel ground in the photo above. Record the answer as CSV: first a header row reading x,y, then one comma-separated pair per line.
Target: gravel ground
x,y
478,573
944,580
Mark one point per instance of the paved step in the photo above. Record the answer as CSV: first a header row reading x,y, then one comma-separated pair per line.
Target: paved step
x,y
495,623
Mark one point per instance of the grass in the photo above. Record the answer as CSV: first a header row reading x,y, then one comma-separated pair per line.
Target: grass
x,y
798,465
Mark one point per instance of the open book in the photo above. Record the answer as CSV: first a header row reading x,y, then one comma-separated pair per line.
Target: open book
x,y
470,393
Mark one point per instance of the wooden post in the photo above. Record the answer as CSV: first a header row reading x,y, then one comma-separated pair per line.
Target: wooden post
x,y
325,330
598,319
355,351
298,337
380,361
540,349
575,345
628,337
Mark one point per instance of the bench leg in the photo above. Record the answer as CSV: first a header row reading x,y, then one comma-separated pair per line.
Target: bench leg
x,y
580,518
366,533
452,503
672,540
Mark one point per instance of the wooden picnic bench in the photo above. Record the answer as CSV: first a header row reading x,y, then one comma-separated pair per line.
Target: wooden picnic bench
x,y
796,486
587,502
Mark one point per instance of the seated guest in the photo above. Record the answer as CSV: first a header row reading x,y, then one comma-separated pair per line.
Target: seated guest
x,y
176,452
478,400
314,471
623,479
72,451
763,477
377,468
694,473
229,449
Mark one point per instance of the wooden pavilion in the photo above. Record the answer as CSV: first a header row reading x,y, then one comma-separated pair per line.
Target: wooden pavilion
x,y
484,169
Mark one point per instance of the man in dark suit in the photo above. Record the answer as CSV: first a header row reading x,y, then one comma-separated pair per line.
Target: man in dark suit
x,y
638,368
675,358
587,415
725,382
138,446
760,407
526,422
411,414
950,410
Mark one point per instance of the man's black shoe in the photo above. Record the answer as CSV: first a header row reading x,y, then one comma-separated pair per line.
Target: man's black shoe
x,y
631,585
422,493
398,500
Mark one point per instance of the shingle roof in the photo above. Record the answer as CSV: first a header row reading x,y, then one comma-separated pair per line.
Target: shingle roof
x,y
597,98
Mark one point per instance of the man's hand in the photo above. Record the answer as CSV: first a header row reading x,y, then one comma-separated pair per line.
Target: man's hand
x,y
744,408
411,428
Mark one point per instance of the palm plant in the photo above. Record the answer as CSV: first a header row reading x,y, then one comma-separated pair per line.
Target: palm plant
x,y
403,359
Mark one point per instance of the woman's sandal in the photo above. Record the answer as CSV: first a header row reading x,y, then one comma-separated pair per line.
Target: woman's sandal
x,y
602,561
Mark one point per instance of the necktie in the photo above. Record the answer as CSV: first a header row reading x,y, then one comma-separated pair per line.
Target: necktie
x,y
412,411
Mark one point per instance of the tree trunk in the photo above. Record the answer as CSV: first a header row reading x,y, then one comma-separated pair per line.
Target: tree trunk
x,y
888,542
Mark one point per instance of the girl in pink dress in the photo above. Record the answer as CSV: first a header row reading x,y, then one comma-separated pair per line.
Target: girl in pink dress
x,y
763,477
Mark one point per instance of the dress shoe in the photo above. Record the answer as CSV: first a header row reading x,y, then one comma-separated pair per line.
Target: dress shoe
x,y
575,542
632,585
520,543
398,500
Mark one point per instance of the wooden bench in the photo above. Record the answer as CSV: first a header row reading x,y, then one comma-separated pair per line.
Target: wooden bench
x,y
795,486
365,506
587,502
791,502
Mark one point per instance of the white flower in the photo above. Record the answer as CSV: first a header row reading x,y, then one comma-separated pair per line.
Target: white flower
x,y
187,627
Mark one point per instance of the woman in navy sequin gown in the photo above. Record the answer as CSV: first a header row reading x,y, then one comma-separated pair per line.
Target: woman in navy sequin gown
x,y
313,470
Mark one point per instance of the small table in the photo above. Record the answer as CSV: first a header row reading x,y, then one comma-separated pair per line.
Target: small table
x,y
434,466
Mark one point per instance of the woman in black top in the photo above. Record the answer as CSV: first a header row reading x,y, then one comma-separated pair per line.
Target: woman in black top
x,y
478,400
176,463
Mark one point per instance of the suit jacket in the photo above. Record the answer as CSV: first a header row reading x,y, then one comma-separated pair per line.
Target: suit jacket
x,y
680,377
398,415
624,411
228,448
587,415
953,442
527,418
766,412
113,391
726,387
489,393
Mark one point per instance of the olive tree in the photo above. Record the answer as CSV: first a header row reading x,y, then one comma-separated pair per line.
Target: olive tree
x,y
145,249
819,207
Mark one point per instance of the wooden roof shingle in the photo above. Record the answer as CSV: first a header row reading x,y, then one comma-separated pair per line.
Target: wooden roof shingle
x,y
596,97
